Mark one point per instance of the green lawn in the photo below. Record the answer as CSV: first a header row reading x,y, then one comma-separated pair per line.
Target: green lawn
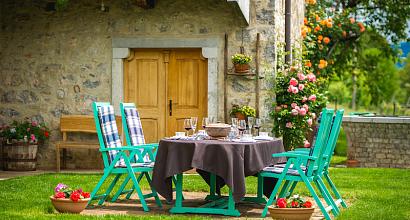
x,y
372,194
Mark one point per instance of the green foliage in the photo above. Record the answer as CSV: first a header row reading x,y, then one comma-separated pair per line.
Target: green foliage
x,y
241,58
27,131
245,110
403,95
61,5
389,17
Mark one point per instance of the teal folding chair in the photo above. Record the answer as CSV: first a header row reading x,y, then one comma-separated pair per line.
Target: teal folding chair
x,y
134,136
329,151
304,168
118,159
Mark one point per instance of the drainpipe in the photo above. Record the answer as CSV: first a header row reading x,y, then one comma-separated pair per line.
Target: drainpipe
x,y
288,17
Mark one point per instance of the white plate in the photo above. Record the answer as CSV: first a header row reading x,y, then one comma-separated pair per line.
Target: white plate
x,y
263,138
244,141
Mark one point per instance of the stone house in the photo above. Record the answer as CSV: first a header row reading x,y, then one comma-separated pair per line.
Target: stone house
x,y
58,62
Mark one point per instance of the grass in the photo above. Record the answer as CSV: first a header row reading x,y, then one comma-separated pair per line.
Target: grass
x,y
371,193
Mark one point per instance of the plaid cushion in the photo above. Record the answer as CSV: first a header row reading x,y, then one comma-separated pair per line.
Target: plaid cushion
x,y
147,164
110,132
279,169
135,130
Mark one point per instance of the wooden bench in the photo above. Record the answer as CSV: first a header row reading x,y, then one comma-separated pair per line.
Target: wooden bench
x,y
79,124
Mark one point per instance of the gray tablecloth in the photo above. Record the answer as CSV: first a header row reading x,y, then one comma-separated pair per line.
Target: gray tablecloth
x,y
232,161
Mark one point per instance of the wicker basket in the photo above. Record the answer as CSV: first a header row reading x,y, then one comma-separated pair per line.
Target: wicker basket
x,y
218,130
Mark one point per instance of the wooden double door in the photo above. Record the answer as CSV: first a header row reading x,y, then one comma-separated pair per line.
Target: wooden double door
x,y
167,86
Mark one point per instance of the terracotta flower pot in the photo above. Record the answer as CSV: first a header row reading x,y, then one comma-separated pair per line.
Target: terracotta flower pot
x,y
240,116
291,213
69,206
241,68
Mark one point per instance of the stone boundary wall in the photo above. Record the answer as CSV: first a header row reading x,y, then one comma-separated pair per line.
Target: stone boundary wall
x,y
378,141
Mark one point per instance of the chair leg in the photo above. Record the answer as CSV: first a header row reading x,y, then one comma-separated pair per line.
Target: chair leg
x,y
272,196
132,189
96,188
126,180
109,189
293,187
326,195
316,198
285,189
335,191
157,200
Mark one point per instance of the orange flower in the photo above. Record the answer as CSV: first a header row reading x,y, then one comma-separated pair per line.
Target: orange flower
x,y
317,28
322,64
320,37
340,25
326,40
323,22
319,41
361,26
344,34
329,24
308,64
305,21
352,20
317,18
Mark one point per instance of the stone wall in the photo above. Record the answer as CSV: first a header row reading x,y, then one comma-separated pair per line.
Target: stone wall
x,y
45,54
378,142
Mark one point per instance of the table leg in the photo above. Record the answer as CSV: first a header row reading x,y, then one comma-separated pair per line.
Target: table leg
x,y
178,189
212,189
226,206
58,158
259,196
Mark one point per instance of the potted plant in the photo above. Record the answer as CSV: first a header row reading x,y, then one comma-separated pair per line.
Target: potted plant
x,y
241,62
20,141
294,208
242,112
68,200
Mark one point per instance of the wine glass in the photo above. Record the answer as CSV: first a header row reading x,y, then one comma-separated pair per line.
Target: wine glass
x,y
251,122
187,125
194,121
234,122
205,122
258,124
242,126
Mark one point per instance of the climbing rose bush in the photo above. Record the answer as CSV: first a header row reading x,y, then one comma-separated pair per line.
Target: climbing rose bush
x,y
296,96
301,89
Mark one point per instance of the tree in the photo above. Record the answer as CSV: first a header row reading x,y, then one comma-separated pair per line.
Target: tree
x,y
388,17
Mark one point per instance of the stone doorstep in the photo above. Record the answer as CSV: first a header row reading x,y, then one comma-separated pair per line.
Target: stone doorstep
x,y
133,207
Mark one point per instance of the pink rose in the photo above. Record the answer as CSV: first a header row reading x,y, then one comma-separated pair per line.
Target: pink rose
x,y
289,125
290,88
297,108
32,137
293,82
293,105
310,122
304,99
311,77
34,123
306,107
285,106
313,115
312,98
302,111
306,144
295,90
301,76
294,112
301,87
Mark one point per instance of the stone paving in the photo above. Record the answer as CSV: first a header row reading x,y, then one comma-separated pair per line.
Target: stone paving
x,y
133,207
